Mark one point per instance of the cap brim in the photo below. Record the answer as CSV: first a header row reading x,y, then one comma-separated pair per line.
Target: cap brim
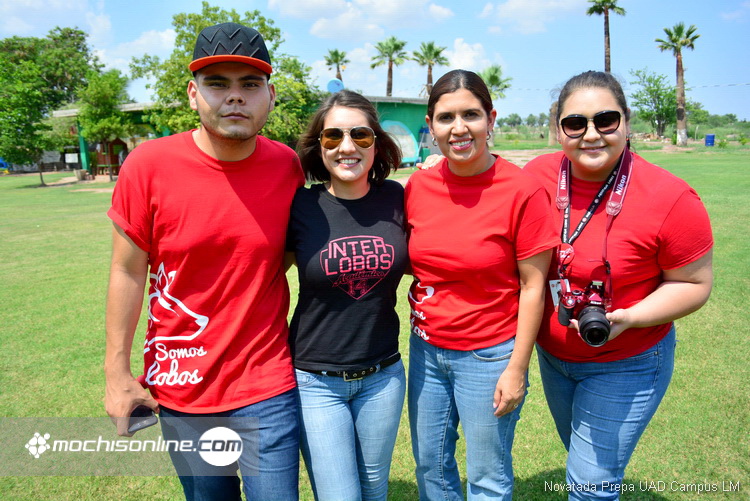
x,y
205,61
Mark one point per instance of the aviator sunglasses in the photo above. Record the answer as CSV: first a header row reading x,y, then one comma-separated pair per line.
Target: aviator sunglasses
x,y
330,138
605,122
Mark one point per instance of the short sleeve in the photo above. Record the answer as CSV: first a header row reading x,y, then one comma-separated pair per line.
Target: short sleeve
x,y
129,204
686,233
536,229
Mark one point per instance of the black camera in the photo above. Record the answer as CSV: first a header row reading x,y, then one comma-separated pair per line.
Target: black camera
x,y
588,307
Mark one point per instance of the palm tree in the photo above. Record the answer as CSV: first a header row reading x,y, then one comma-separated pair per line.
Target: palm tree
x,y
336,58
429,55
677,39
391,51
604,7
493,77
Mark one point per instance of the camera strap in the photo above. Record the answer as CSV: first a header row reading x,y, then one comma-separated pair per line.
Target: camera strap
x,y
619,179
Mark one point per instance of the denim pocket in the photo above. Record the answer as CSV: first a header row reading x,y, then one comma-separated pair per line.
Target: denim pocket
x,y
304,378
651,352
495,353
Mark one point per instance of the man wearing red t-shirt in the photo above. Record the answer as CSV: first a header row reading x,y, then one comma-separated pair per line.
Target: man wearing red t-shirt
x,y
201,218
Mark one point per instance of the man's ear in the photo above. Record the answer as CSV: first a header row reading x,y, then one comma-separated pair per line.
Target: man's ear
x,y
192,92
272,91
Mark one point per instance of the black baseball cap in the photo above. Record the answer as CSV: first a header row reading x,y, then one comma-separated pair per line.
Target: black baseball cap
x,y
230,42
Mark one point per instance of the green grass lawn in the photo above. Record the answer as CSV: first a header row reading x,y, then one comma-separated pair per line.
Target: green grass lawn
x,y
54,259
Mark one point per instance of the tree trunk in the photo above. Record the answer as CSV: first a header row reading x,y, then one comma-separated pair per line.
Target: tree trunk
x,y
428,87
606,42
552,139
389,83
681,122
41,177
338,73
109,161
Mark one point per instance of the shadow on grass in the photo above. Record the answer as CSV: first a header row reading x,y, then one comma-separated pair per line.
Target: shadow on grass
x,y
544,486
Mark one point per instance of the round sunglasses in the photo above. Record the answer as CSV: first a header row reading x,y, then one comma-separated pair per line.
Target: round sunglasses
x,y
605,122
330,138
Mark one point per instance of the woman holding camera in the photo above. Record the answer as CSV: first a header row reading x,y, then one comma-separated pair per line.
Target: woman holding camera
x,y
347,237
481,238
635,255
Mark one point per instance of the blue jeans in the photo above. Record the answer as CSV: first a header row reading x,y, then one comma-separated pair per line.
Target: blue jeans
x,y
448,386
348,431
601,411
269,463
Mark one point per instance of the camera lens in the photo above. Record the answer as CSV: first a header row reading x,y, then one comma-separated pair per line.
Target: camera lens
x,y
593,325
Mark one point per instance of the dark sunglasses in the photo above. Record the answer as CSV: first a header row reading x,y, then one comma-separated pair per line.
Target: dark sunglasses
x,y
605,122
330,138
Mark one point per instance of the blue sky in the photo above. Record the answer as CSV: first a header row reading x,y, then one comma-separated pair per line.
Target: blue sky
x,y
538,43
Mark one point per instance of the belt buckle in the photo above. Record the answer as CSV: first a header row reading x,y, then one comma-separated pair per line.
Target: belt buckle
x,y
355,377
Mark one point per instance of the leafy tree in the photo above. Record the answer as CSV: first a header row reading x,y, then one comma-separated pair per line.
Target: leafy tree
x,y
297,102
543,119
654,100
38,75
172,110
604,7
429,55
336,59
493,77
696,114
514,120
390,52
501,121
531,120
99,114
679,38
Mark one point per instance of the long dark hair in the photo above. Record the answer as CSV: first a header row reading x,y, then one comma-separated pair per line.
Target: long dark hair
x,y
595,79
460,79
387,153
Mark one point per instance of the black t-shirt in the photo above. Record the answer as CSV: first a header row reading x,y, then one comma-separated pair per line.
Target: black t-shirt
x,y
351,255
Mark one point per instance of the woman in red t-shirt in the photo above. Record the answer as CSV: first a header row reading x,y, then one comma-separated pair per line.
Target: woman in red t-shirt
x,y
480,241
635,255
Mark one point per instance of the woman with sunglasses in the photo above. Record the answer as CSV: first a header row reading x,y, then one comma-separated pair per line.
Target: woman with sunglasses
x,y
347,237
481,238
636,249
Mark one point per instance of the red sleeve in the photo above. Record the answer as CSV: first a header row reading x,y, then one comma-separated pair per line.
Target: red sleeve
x,y
686,233
129,204
536,229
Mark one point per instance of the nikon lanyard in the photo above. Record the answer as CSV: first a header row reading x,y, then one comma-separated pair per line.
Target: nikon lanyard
x,y
619,178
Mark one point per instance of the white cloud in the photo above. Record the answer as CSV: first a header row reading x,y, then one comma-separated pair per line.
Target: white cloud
x,y
351,23
439,13
362,19
37,17
307,8
532,16
155,43
740,14
487,11
100,28
467,56
15,25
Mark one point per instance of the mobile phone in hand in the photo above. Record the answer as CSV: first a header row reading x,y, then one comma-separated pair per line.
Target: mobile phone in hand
x,y
141,417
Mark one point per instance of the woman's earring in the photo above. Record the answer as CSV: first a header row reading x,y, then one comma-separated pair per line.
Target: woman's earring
x,y
434,141
489,138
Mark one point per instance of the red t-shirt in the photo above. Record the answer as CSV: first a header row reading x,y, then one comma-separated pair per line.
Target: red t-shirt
x,y
218,298
466,236
662,226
